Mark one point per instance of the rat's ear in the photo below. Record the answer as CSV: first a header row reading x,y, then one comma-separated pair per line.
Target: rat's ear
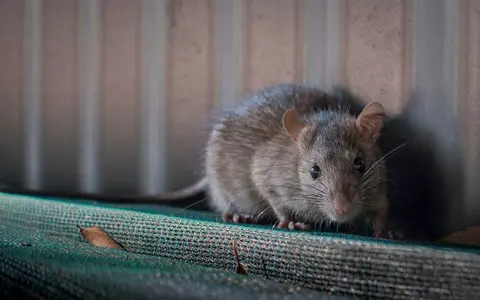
x,y
370,121
293,124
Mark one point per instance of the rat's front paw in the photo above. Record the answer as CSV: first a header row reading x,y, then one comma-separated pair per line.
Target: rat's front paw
x,y
285,224
380,224
396,235
238,218
388,234
381,233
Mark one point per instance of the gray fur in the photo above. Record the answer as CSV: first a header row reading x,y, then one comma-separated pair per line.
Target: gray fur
x,y
253,166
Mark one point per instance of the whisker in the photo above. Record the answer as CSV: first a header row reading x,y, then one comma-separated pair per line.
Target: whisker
x,y
262,212
194,203
389,153
276,223
323,220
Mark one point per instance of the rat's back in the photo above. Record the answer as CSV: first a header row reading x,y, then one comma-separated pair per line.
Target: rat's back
x,y
260,113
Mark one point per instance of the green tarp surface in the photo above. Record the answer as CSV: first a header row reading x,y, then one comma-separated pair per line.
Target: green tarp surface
x,y
182,254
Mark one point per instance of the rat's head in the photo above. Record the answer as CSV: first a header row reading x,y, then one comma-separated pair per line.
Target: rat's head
x,y
338,169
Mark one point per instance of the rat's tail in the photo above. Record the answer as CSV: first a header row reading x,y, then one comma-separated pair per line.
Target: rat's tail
x,y
182,194
189,191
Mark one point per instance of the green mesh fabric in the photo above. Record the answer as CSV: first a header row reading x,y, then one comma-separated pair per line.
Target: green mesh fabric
x,y
183,254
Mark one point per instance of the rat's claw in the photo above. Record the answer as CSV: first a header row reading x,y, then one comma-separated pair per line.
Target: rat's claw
x,y
395,235
292,225
237,218
227,217
381,233
392,235
282,224
301,226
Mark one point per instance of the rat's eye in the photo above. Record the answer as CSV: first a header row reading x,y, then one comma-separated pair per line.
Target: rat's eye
x,y
359,166
315,171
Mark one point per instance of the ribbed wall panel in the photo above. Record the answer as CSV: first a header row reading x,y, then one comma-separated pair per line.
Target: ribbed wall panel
x,y
115,95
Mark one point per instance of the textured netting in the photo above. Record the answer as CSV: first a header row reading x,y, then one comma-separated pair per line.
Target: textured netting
x,y
52,267
189,255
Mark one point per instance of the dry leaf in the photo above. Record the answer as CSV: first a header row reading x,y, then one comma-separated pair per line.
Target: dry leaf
x,y
240,269
99,237
468,236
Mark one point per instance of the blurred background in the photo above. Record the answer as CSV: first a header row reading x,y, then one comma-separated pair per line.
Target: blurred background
x,y
114,96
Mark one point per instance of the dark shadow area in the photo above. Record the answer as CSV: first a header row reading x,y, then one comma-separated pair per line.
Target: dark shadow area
x,y
425,177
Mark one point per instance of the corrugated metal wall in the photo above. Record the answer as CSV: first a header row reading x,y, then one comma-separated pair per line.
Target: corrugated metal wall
x,y
114,95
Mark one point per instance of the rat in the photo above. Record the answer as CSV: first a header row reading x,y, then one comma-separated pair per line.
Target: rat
x,y
296,154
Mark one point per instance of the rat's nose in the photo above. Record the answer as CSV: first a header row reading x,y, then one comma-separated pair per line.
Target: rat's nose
x,y
341,204
342,210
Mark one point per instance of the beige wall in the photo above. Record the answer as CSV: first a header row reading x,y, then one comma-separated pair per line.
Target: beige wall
x,y
113,64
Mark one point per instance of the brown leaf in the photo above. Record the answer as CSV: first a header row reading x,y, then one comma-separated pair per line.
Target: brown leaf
x,y
99,237
468,236
240,269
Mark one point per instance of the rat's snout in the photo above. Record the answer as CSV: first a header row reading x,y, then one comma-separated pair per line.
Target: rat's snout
x,y
341,203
